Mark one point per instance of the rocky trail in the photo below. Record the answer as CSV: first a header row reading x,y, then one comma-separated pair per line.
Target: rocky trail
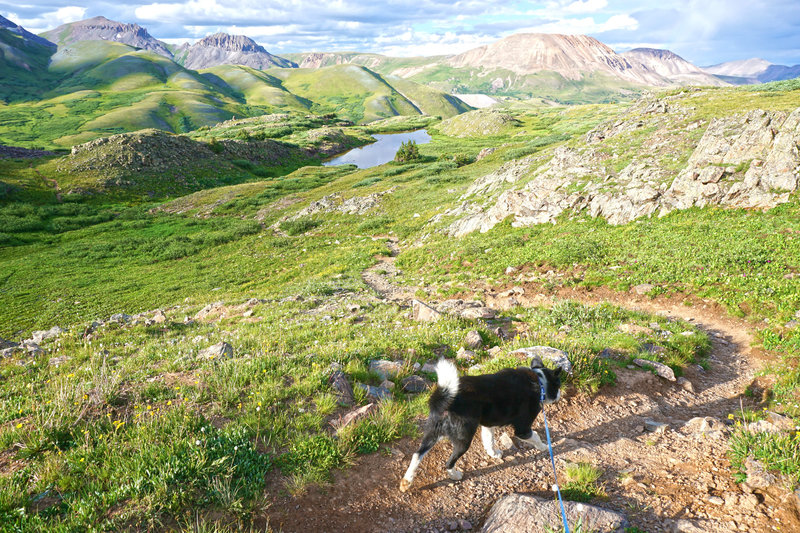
x,y
661,446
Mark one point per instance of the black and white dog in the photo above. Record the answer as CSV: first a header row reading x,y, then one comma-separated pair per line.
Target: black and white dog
x,y
458,405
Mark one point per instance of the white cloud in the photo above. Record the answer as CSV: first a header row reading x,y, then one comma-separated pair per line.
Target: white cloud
x,y
48,20
588,6
586,25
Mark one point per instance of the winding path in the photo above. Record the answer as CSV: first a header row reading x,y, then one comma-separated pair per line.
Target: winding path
x,y
676,480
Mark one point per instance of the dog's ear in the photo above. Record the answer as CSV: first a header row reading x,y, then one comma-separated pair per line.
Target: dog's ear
x,y
559,371
536,362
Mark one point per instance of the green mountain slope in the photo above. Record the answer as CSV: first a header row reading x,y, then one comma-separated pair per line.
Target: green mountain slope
x,y
361,95
23,62
96,88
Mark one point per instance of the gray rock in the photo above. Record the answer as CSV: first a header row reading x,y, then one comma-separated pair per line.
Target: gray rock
x,y
685,384
654,349
465,355
715,500
643,288
423,312
386,384
686,526
221,350
464,525
159,317
41,336
208,310
792,324
473,340
555,356
654,426
338,380
429,367
377,393
9,352
475,313
353,416
504,442
415,384
528,514
385,369
758,477
121,318
58,361
705,425
7,344
661,369
494,351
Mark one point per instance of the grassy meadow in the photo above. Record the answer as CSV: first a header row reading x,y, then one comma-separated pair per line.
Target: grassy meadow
x,y
127,425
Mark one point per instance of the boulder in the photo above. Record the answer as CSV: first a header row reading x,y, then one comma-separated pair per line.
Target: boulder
x,y
40,336
465,355
341,385
475,313
120,318
758,477
221,350
377,393
423,312
555,356
661,369
473,340
353,416
415,384
519,513
385,369
643,288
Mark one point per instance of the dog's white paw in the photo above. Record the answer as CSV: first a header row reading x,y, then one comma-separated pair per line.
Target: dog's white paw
x,y
495,454
455,475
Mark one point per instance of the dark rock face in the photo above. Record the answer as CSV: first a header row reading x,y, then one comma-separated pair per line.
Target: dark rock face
x,y
224,49
102,29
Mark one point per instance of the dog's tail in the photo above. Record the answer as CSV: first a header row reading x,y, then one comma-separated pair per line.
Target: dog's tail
x,y
447,378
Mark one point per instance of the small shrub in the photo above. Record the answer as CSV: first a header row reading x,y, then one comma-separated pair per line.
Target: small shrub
x,y
463,159
215,146
299,226
408,151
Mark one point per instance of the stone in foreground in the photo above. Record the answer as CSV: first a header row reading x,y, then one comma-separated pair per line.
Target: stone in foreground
x,y
557,357
661,369
517,513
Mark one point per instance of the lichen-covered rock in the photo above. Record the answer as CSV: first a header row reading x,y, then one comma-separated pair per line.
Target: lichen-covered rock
x,y
529,514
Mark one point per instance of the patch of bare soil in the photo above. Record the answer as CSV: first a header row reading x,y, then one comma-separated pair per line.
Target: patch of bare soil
x,y
654,478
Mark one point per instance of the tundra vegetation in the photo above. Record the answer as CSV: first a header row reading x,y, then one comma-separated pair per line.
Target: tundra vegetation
x,y
132,424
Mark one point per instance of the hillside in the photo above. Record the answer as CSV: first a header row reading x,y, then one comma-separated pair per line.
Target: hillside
x,y
211,331
103,29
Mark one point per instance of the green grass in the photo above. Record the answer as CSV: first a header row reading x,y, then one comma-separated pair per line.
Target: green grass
x,y
581,484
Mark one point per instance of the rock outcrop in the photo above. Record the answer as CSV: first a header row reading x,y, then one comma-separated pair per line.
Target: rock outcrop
x,y
224,49
745,160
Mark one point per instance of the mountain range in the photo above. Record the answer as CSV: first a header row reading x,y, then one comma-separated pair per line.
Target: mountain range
x,y
112,76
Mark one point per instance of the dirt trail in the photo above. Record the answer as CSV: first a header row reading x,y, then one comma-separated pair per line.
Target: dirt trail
x,y
49,181
655,479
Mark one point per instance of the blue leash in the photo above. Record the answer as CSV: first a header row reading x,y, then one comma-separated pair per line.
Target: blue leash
x,y
552,460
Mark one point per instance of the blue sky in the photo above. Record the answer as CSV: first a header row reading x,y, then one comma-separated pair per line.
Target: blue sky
x,y
704,32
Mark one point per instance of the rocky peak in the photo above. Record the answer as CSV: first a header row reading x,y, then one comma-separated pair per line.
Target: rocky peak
x,y
671,66
231,43
103,29
571,56
224,49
